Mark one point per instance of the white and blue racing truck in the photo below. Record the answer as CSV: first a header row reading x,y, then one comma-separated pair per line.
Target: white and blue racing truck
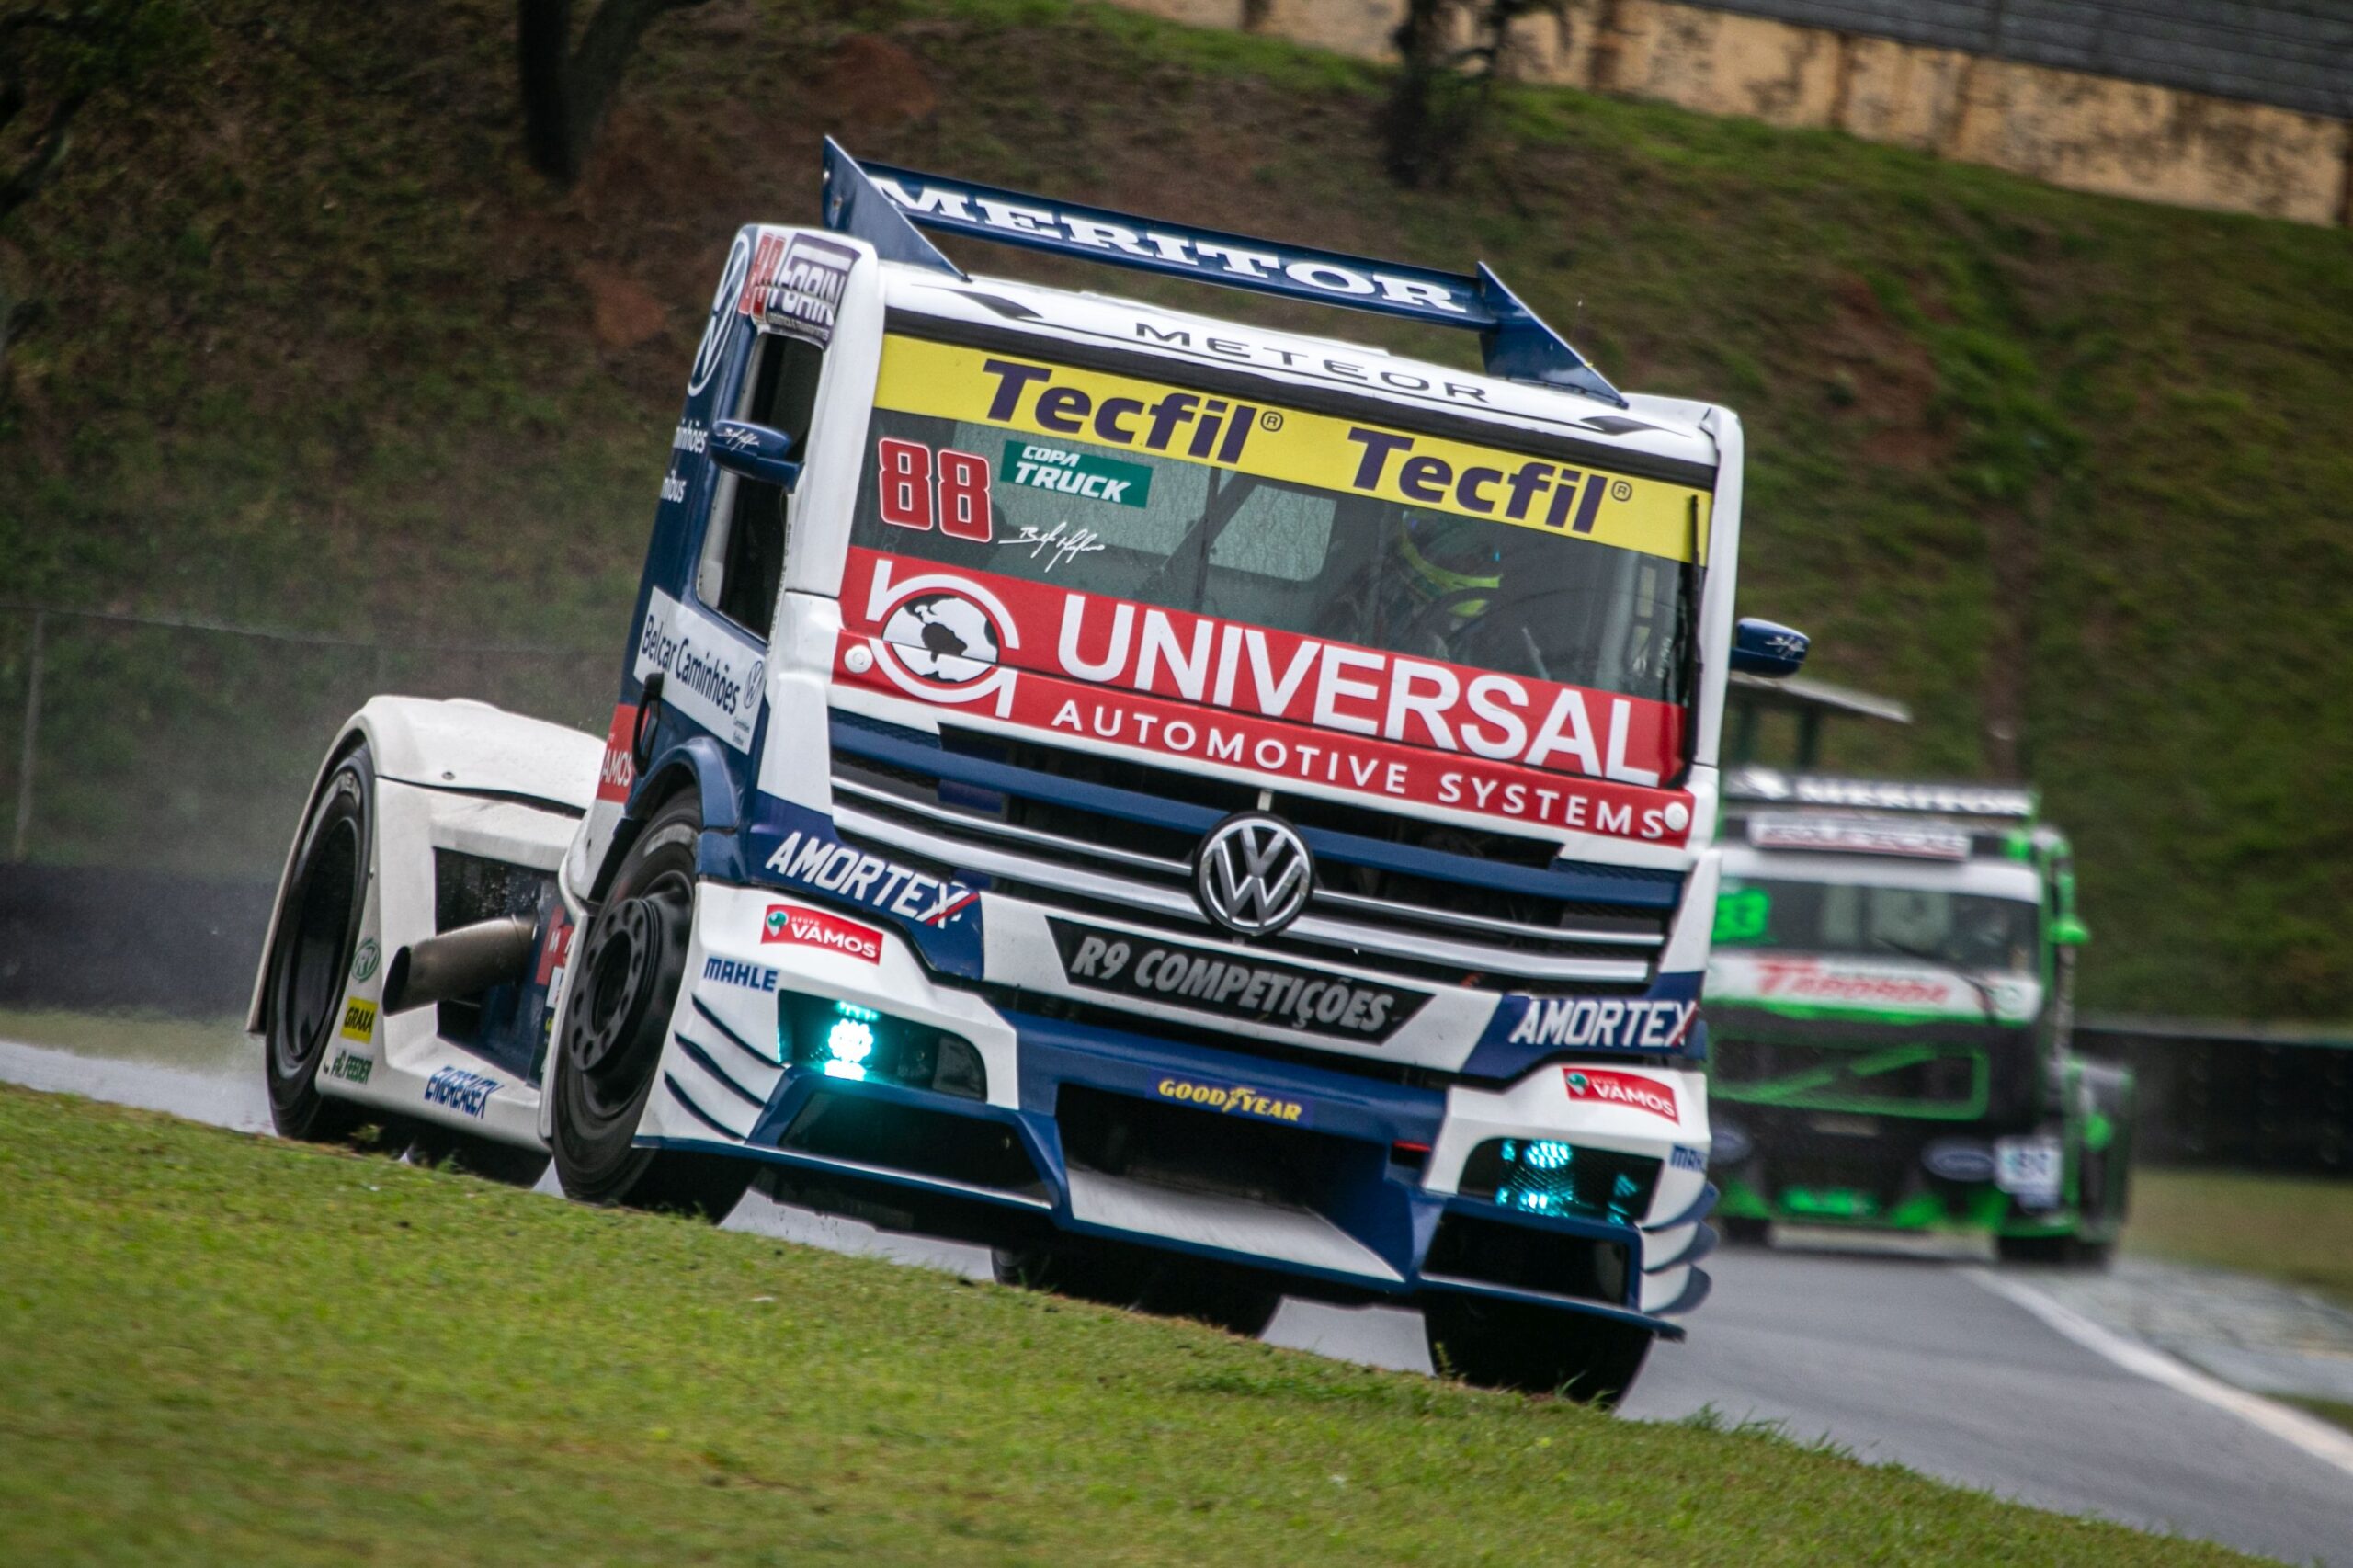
x,y
1207,812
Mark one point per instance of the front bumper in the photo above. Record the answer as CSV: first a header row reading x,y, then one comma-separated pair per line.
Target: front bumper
x,y
1342,1178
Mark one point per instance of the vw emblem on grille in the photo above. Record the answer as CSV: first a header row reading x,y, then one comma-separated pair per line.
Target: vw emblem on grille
x,y
1253,874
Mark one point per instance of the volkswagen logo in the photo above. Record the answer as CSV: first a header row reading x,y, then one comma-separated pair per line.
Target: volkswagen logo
x,y
1253,874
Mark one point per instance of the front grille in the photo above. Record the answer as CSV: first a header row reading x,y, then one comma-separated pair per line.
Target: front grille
x,y
1889,1077
1100,836
1187,1148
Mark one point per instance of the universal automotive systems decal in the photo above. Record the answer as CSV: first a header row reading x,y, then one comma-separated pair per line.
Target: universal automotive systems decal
x,y
1252,991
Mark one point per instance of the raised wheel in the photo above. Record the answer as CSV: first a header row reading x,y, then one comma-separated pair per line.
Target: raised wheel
x,y
310,953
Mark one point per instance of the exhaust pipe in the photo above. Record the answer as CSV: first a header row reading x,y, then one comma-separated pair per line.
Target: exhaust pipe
x,y
461,963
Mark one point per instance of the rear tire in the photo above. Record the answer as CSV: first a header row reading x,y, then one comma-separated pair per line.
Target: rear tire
x,y
1509,1345
617,1021
2039,1250
311,952
1141,1279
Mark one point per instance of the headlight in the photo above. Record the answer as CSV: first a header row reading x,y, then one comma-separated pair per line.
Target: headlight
x,y
843,1040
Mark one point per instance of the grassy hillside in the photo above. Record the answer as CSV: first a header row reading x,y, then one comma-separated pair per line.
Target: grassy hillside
x,y
2069,474
317,1357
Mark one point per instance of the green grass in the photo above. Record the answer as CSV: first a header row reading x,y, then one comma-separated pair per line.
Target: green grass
x,y
2056,469
2326,1409
2295,1229
216,1348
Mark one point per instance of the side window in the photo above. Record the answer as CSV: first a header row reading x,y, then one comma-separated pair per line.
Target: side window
x,y
742,553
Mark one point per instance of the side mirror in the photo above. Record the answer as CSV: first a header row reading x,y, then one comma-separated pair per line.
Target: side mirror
x,y
2069,932
756,452
1767,648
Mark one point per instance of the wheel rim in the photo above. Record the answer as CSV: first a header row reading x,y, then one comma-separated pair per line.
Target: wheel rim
x,y
311,954
632,970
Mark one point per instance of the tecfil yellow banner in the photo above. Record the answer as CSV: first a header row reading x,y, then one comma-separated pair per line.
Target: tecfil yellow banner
x,y
977,385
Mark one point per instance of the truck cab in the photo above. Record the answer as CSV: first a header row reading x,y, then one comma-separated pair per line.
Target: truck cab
x,y
1210,813
1892,993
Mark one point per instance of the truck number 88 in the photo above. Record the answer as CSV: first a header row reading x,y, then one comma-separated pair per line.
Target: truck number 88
x,y
914,490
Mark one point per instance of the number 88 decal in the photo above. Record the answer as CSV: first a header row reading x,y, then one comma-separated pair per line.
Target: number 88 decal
x,y
913,496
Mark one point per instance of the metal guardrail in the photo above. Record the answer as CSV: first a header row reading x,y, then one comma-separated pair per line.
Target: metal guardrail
x,y
2253,1096
2297,54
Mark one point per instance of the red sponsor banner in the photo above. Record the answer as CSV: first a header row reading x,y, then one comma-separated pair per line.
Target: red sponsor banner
x,y
613,780
1179,685
818,928
555,949
1628,1089
1816,981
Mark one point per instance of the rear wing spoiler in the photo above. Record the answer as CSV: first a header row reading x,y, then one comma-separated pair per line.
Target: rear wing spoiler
x,y
887,207
1772,786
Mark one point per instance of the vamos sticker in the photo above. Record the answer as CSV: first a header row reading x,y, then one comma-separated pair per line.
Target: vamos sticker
x,y
816,929
1621,1088
1034,466
1149,969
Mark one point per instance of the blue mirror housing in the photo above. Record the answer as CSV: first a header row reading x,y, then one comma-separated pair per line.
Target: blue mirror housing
x,y
754,451
1762,647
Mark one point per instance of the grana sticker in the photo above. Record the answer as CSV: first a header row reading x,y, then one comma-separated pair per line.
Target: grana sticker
x,y
358,1020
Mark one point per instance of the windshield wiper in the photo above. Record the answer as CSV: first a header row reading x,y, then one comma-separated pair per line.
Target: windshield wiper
x,y
1983,988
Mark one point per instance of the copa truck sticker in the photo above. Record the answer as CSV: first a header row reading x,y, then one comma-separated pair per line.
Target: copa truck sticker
x,y
1168,681
1328,451
708,673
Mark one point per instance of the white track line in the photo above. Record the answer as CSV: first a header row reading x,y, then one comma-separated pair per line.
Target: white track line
x,y
2323,1442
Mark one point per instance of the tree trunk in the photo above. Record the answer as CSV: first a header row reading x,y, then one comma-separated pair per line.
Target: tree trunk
x,y
566,91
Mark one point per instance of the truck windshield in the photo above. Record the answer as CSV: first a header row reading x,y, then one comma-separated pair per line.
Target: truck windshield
x,y
1308,523
1968,931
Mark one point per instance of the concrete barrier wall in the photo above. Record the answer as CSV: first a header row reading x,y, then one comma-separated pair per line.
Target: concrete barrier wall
x,y
2086,132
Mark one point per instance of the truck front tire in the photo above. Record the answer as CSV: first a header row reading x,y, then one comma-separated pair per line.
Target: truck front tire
x,y
1511,1345
625,987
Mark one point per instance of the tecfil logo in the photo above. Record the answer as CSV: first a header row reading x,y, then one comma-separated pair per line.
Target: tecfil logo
x,y
1623,1088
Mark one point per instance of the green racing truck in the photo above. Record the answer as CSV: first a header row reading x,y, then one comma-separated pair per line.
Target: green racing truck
x,y
1891,1010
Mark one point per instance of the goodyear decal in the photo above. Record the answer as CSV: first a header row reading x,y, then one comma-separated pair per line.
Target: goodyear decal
x,y
945,381
358,1020
1235,1099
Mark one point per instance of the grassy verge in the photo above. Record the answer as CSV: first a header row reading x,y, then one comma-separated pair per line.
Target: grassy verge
x,y
2299,1229
2327,1410
223,1349
145,1037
